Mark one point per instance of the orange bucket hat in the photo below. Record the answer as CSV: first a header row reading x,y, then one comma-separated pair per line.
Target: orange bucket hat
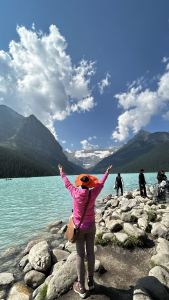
x,y
91,183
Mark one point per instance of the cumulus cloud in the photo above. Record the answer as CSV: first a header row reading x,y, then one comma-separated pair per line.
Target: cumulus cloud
x,y
104,83
37,77
140,105
88,146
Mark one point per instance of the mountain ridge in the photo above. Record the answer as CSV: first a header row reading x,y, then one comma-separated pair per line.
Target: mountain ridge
x,y
25,142
144,150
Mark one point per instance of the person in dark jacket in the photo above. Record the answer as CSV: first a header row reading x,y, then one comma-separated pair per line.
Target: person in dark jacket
x,y
119,184
142,184
161,176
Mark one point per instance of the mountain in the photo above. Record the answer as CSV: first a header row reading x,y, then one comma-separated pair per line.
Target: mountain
x,y
145,150
28,148
89,158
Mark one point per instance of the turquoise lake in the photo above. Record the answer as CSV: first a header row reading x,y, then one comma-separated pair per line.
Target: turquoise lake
x,y
29,205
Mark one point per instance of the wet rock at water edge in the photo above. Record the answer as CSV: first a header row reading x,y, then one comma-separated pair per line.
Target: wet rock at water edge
x,y
40,256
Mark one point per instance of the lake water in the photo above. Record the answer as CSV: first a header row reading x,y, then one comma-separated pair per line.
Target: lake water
x,y
29,205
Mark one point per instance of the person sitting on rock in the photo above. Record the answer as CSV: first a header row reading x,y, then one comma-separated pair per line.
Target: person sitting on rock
x,y
119,184
142,184
84,195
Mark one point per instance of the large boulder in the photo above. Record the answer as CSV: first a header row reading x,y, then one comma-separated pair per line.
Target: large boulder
x,y
30,245
133,231
108,236
20,291
159,230
121,236
161,274
40,256
63,279
34,278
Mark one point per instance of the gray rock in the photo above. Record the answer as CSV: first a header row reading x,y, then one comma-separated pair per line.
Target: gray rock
x,y
54,244
6,279
162,246
115,215
126,216
20,291
108,204
34,278
61,246
30,245
108,236
23,261
54,224
143,222
58,255
70,247
121,236
40,257
161,274
57,266
114,225
114,203
63,279
159,230
165,220
27,268
161,259
63,229
137,212
54,230
133,231
2,294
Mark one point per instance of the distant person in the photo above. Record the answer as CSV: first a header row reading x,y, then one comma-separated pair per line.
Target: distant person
x,y
84,195
119,184
142,184
161,176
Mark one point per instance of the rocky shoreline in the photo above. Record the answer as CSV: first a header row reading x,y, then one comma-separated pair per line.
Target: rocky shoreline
x,y
132,239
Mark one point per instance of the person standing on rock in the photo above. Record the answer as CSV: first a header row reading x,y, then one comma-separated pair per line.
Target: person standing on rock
x,y
119,184
84,195
142,184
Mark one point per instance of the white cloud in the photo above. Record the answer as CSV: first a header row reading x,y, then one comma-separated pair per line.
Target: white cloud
x,y
166,116
68,150
165,59
140,106
37,77
63,142
87,146
104,83
90,138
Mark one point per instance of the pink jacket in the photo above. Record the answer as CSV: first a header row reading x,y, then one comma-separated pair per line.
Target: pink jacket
x,y
80,197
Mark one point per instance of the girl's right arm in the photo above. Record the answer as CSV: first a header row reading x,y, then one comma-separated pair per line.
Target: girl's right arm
x,y
71,188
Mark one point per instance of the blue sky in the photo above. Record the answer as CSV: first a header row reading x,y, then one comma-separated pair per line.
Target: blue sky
x,y
121,45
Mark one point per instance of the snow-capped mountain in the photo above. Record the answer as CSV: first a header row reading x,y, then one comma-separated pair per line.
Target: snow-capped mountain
x,y
89,158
